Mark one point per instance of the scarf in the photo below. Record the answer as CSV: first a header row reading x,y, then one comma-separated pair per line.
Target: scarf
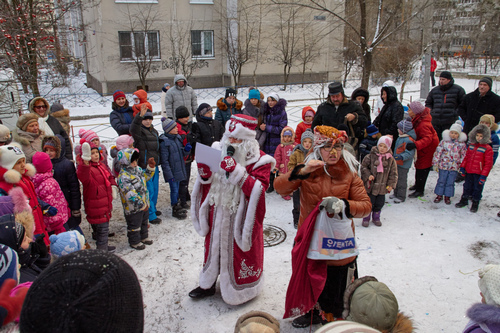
x,y
380,167
42,122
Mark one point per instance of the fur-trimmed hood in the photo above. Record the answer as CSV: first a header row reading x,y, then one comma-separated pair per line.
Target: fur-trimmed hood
x,y
25,138
31,106
223,106
360,92
278,108
13,176
484,314
288,128
57,143
482,129
63,117
461,138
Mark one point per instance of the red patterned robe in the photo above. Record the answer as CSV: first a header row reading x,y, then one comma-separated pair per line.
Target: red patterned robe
x,y
234,245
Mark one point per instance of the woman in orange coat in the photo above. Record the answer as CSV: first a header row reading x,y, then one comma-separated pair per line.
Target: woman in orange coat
x,y
329,173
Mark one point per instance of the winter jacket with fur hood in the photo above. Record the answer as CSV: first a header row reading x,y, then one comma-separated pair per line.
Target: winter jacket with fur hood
x,y
284,151
427,139
479,156
53,123
30,142
390,115
484,318
177,96
275,119
132,183
389,177
450,153
225,111
444,101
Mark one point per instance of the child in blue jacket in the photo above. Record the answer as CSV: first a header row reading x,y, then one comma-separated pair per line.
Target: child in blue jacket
x,y
404,158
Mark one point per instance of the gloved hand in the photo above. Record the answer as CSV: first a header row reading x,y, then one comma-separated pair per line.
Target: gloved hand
x,y
204,171
114,191
410,146
228,164
461,172
39,247
76,213
86,151
50,210
482,180
12,304
333,205
188,147
151,162
398,157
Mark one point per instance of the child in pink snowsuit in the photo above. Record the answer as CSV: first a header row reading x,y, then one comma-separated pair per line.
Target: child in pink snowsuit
x,y
47,189
283,152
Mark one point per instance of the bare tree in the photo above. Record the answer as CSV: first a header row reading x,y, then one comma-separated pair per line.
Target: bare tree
x,y
181,59
309,46
349,59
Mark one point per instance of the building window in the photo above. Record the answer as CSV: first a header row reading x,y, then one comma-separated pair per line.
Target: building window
x,y
202,2
137,44
202,43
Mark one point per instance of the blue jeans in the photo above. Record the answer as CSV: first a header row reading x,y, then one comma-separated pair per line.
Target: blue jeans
x,y
174,192
446,183
153,185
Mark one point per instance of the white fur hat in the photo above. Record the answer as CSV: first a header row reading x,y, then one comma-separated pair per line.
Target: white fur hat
x,y
9,155
241,126
489,284
456,127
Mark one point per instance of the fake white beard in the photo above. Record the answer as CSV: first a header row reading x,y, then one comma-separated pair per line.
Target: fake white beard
x,y
222,192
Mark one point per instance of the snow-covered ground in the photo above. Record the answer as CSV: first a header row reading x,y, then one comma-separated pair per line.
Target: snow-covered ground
x,y
426,253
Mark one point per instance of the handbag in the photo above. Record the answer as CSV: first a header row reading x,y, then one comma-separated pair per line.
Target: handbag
x,y
332,239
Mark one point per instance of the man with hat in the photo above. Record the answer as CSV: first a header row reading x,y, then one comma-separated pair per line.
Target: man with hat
x,y
228,208
443,101
337,109
479,102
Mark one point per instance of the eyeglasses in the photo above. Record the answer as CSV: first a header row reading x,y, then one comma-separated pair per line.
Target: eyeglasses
x,y
41,107
330,147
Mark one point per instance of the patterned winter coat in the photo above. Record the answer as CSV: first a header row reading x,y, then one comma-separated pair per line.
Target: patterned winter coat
x,y
479,156
275,119
427,139
48,190
121,118
172,157
302,126
284,151
30,142
225,110
146,140
97,194
389,177
401,151
132,183
450,153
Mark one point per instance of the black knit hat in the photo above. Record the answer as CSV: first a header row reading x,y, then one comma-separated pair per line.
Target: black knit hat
x,y
230,92
85,291
335,88
487,80
446,75
203,109
181,112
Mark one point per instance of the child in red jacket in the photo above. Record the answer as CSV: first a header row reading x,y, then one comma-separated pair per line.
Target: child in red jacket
x,y
477,164
99,190
307,117
283,153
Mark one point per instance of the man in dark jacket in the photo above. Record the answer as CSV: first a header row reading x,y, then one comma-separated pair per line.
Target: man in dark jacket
x,y
479,102
337,109
443,101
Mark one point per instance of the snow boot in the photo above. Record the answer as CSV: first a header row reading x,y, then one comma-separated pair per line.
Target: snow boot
x,y
147,241
138,246
412,188
438,199
366,220
475,206
376,219
447,200
202,293
178,212
416,194
158,213
310,318
270,189
462,203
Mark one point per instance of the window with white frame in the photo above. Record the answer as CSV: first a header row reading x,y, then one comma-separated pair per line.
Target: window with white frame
x,y
202,43
137,44
202,2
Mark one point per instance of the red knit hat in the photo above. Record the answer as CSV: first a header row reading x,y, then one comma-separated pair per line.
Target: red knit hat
x,y
117,94
241,126
87,135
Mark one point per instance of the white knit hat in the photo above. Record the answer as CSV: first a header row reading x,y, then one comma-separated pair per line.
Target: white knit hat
x,y
9,155
241,127
456,127
489,284
4,133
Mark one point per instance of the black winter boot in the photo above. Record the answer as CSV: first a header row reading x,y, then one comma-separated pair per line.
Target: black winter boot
x,y
462,203
475,206
271,183
178,212
310,318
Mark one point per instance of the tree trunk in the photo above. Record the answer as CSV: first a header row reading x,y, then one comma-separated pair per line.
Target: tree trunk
x,y
367,69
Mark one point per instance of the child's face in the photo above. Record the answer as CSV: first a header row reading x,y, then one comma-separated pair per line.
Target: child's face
x,y
454,135
96,141
254,101
183,121
382,148
487,123
308,118
33,127
131,145
479,137
26,242
287,138
120,101
94,155
137,101
209,114
360,99
20,166
374,136
231,99
271,102
307,144
133,164
51,152
174,131
147,122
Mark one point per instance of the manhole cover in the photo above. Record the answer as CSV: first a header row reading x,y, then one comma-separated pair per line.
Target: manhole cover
x,y
273,235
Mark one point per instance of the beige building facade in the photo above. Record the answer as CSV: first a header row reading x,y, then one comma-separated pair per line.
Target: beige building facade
x,y
208,41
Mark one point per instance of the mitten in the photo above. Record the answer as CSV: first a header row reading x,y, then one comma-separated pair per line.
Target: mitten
x,y
188,147
398,157
76,213
462,172
333,205
204,171
482,179
228,164
151,162
114,191
410,146
50,211
39,247
12,304
86,151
